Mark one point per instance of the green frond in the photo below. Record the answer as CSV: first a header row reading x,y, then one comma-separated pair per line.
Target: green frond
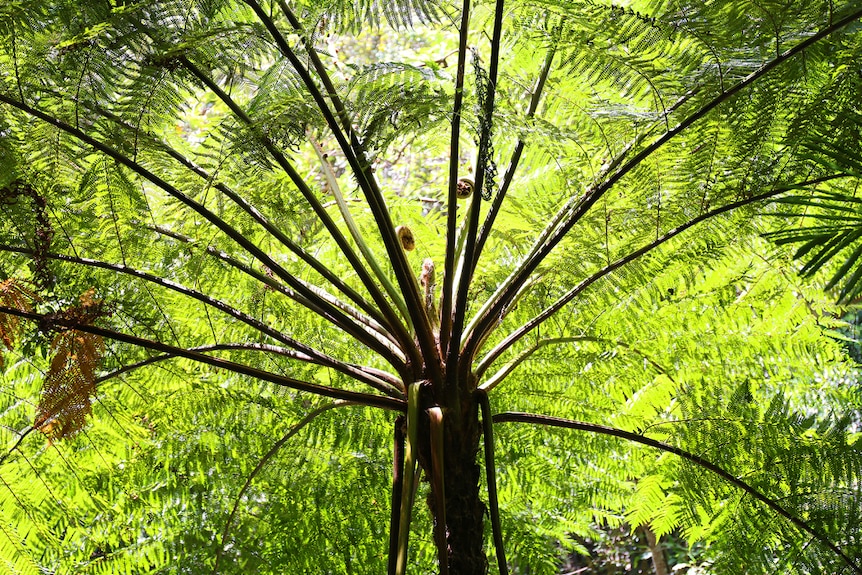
x,y
394,100
339,16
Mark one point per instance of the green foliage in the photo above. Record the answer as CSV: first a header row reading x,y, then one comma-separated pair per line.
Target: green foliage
x,y
222,180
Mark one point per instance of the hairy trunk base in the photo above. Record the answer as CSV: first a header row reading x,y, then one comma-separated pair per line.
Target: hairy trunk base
x,y
465,511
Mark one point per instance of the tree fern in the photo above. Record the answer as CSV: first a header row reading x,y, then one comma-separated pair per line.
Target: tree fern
x,y
202,257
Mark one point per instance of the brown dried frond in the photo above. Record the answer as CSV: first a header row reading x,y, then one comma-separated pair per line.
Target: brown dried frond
x,y
70,383
13,294
89,310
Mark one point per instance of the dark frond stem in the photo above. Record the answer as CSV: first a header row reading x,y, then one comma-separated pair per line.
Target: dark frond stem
x,y
369,308
292,354
17,443
515,159
393,391
563,213
320,69
468,264
316,265
360,398
333,314
571,294
594,194
376,203
376,328
361,272
771,503
491,478
355,157
524,355
314,356
356,232
397,487
452,200
356,145
311,416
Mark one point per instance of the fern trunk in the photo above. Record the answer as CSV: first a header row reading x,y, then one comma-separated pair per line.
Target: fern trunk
x,y
459,530
465,512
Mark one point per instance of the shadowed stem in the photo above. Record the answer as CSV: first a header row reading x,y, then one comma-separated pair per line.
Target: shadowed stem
x,y
356,234
313,355
593,194
343,245
393,391
536,419
452,196
571,294
509,175
491,475
356,145
376,329
373,195
313,388
470,254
